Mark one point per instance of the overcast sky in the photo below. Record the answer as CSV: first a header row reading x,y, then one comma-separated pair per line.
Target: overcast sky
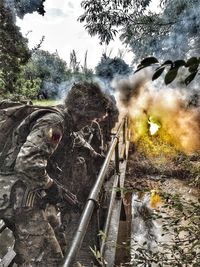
x,y
64,33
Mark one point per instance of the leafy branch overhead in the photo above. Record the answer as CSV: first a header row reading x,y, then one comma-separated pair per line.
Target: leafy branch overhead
x,y
172,67
145,29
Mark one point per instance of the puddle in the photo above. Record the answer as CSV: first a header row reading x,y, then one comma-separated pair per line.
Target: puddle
x,y
158,237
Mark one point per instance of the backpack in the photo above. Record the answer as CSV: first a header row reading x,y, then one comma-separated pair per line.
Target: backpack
x,y
13,115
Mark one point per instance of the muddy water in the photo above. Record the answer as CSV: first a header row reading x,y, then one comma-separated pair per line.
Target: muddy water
x,y
148,237
146,232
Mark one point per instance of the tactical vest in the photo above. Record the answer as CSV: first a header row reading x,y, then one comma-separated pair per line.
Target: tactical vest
x,y
16,120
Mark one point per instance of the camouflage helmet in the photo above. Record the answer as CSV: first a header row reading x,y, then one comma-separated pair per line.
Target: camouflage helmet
x,y
87,98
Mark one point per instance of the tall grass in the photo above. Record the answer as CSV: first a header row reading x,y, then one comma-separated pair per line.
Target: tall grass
x,y
45,102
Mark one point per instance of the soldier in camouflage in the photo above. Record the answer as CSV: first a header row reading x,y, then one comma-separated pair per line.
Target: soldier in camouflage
x,y
50,136
82,177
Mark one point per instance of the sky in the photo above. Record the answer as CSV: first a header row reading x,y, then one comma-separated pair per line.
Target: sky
x,y
64,33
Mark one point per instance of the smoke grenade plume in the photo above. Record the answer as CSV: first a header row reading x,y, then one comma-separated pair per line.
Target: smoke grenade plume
x,y
177,123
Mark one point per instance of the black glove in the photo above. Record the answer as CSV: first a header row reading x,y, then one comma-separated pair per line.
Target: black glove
x,y
58,194
99,158
54,194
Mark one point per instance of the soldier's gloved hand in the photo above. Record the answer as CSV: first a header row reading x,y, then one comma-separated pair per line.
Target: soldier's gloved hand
x,y
54,194
99,158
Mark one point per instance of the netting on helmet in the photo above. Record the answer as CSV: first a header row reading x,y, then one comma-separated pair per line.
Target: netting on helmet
x,y
86,97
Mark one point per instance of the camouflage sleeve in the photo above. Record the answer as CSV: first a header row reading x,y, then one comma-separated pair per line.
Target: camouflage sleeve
x,y
79,141
41,142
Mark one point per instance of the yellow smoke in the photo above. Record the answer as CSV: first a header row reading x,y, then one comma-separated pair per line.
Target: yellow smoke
x,y
177,124
155,199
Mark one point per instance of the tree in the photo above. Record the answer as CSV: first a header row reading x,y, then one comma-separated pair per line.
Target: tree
x,y
103,17
74,63
13,49
47,66
22,7
79,72
108,68
28,83
170,32
45,70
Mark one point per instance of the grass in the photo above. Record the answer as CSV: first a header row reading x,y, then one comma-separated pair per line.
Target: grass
x,y
45,102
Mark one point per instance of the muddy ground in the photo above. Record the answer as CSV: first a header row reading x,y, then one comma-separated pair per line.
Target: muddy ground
x,y
146,172
175,178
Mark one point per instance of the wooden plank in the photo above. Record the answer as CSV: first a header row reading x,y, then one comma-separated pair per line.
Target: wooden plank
x,y
8,258
112,236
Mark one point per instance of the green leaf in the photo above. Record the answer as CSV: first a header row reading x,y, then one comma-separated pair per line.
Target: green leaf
x,y
192,61
190,77
148,61
158,73
193,68
140,68
171,75
167,62
179,63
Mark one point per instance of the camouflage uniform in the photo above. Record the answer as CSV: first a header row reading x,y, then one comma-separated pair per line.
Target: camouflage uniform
x,y
49,147
51,140
80,180
35,241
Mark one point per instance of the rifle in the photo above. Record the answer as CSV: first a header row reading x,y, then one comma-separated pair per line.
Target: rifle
x,y
68,196
65,196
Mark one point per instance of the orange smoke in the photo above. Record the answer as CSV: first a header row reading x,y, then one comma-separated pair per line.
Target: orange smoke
x,y
179,124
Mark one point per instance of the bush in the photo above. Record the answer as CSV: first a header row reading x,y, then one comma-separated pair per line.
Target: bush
x,y
28,89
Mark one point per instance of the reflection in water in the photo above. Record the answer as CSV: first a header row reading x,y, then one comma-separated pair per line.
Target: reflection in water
x,y
155,199
145,232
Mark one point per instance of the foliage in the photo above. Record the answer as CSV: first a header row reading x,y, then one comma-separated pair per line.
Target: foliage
x,y
22,7
175,25
47,66
180,220
97,255
171,32
109,67
14,51
44,102
102,17
44,73
28,88
78,71
192,65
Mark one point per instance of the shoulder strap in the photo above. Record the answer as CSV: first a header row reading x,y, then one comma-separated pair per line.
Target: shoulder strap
x,y
22,130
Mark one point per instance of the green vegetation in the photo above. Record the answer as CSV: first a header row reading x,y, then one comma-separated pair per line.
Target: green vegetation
x,y
14,51
168,32
109,67
49,102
